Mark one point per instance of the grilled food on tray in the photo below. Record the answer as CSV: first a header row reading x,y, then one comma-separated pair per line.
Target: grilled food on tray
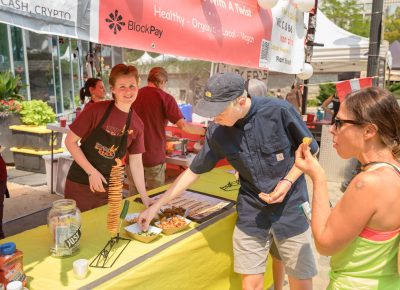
x,y
172,211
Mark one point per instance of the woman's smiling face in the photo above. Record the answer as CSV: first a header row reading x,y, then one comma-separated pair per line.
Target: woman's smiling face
x,y
125,89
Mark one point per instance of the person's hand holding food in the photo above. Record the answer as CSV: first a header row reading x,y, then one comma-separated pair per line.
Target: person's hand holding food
x,y
305,161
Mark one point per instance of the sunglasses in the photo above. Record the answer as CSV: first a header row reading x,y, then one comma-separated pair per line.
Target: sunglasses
x,y
338,123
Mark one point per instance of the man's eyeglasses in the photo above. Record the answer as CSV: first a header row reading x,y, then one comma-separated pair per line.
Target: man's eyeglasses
x,y
338,123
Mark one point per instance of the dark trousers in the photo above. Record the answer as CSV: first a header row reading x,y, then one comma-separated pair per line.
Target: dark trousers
x,y
3,192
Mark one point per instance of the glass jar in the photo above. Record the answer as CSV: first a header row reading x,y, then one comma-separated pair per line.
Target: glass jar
x,y
64,223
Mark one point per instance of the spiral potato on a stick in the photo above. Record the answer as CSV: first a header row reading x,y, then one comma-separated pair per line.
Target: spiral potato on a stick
x,y
115,196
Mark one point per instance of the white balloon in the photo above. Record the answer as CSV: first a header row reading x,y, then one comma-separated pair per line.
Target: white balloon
x,y
267,4
304,5
306,72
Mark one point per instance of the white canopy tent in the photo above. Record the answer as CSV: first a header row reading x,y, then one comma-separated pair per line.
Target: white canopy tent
x,y
342,51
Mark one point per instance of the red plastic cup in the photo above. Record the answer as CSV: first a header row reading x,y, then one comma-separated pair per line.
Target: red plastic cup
x,y
310,118
63,122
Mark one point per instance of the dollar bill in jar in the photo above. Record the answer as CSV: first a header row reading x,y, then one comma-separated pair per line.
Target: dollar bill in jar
x,y
64,222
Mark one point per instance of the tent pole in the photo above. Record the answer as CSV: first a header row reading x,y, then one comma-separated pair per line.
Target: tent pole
x,y
312,24
372,66
375,39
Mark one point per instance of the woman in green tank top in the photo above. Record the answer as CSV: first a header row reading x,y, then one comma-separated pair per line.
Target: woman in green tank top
x,y
361,232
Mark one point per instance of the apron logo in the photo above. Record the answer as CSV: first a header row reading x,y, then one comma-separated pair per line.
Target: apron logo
x,y
106,152
280,157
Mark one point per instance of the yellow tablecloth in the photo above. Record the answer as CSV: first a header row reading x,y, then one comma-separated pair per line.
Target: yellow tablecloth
x,y
202,259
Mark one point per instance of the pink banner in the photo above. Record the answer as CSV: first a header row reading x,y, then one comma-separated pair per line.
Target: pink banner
x,y
232,32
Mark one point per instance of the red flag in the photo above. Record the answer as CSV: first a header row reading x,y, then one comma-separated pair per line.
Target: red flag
x,y
345,87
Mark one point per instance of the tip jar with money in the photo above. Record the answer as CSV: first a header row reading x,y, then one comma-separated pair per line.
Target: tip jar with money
x,y
64,223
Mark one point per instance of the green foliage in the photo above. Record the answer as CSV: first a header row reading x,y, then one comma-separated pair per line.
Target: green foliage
x,y
153,54
10,86
395,89
392,27
77,101
326,90
313,103
36,112
132,54
347,15
9,93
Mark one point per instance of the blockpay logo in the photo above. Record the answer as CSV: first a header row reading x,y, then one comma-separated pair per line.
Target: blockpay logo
x,y
115,23
115,20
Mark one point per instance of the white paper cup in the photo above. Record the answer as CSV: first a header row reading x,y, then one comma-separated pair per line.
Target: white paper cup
x,y
80,268
14,285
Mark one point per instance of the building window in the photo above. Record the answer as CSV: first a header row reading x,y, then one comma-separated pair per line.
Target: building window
x,y
4,51
57,98
66,74
18,56
38,51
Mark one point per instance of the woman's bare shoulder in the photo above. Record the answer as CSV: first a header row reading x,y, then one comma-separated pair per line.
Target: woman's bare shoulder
x,y
377,182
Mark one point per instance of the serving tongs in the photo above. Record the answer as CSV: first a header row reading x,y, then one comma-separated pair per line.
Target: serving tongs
x,y
105,259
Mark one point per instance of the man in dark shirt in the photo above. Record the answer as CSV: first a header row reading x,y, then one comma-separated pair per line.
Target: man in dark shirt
x,y
156,107
259,137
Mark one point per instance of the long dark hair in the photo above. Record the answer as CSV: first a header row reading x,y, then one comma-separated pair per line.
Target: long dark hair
x,y
85,92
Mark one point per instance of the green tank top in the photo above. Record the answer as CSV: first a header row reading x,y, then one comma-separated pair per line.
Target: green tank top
x,y
367,264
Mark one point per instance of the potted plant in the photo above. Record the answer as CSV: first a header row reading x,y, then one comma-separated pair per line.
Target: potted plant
x,y
32,139
10,106
36,113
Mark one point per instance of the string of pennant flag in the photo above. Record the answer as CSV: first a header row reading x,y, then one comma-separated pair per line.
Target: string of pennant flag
x,y
345,87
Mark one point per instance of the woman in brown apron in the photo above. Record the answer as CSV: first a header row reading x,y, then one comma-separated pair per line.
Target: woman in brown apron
x,y
107,130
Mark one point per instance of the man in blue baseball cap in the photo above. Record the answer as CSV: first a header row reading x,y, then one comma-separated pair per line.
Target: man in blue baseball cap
x,y
258,136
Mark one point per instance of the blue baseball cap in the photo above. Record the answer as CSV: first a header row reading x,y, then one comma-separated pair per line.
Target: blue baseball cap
x,y
220,90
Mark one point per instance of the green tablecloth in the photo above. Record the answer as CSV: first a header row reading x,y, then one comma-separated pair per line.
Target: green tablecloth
x,y
199,258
